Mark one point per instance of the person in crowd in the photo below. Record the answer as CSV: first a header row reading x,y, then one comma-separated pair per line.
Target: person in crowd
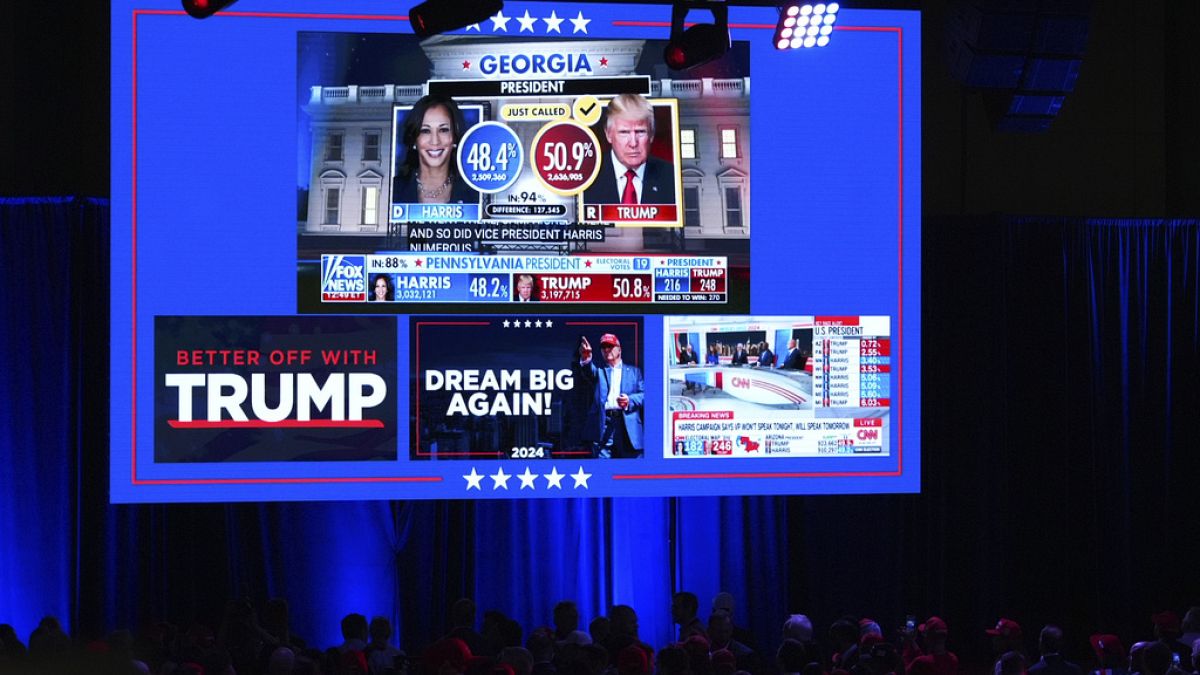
x,y
933,658
355,633
462,625
1137,654
1167,630
1010,663
541,647
633,660
566,619
684,606
724,601
1190,626
792,656
843,636
623,633
382,656
518,658
1052,662
1006,636
11,648
429,172
1157,658
720,636
599,630
1110,655
798,627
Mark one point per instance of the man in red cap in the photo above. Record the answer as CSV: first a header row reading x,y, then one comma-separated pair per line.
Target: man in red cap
x,y
1167,629
935,659
614,419
1006,637
1110,654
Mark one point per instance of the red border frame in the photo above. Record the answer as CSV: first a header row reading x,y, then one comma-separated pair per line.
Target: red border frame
x,y
899,31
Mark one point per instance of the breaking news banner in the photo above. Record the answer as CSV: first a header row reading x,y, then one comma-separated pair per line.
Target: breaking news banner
x,y
272,389
798,386
582,279
526,387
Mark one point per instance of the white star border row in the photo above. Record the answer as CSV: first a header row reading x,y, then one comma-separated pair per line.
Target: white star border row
x,y
527,323
528,23
528,479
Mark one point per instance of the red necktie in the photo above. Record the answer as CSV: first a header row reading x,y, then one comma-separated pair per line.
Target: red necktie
x,y
629,195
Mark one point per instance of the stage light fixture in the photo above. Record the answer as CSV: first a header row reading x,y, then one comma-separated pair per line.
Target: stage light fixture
x,y
803,26
202,9
699,43
433,17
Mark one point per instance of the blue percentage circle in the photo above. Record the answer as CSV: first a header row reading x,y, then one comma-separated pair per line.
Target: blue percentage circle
x,y
490,157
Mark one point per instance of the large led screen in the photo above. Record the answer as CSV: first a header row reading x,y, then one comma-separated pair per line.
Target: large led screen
x,y
521,259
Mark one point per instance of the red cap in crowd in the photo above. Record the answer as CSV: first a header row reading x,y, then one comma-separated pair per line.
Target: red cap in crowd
x,y
933,625
1108,645
1005,628
609,339
1166,620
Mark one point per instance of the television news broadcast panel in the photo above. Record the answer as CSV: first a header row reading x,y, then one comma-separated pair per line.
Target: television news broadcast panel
x,y
523,259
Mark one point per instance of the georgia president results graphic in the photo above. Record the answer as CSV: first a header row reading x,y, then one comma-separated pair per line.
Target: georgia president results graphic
x,y
524,387
268,389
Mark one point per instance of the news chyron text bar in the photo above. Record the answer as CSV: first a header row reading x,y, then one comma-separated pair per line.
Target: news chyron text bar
x,y
469,278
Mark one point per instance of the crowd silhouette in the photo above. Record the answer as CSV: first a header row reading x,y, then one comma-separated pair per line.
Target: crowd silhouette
x,y
254,640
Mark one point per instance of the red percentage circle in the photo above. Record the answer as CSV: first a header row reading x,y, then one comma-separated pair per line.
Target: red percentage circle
x,y
565,157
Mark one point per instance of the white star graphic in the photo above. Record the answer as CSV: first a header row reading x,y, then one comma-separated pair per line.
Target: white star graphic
x,y
528,323
516,323
581,478
506,323
552,22
549,323
500,22
554,478
474,26
527,479
526,22
499,479
473,479
580,24
537,324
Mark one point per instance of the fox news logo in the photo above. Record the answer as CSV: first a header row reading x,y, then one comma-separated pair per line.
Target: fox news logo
x,y
552,63
343,278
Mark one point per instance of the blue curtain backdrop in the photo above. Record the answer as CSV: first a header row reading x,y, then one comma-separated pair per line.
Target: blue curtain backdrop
x,y
1058,446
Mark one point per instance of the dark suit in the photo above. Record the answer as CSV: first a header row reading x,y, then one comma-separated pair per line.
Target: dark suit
x,y
1055,664
686,357
793,360
629,420
658,184
766,358
740,358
